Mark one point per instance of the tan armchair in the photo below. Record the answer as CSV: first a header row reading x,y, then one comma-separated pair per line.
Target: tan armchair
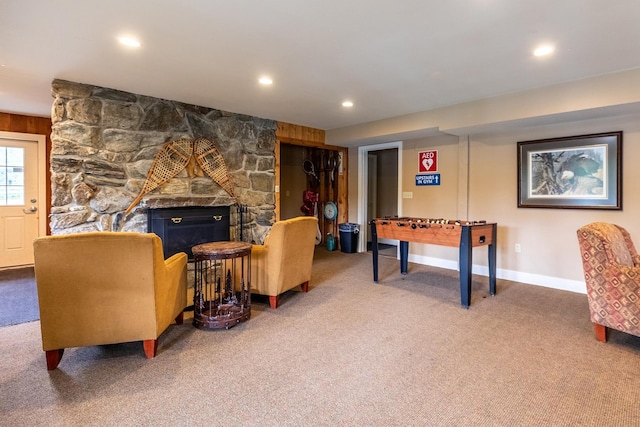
x,y
105,288
285,259
612,274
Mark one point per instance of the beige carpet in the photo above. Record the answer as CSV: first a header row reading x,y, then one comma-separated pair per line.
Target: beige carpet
x,y
348,353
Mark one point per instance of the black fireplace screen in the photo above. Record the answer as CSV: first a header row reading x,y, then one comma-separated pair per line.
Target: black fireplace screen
x,y
182,228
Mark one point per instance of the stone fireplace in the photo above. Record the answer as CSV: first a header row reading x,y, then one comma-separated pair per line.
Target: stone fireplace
x,y
104,142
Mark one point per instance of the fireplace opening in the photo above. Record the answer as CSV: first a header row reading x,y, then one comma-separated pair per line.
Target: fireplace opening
x,y
182,228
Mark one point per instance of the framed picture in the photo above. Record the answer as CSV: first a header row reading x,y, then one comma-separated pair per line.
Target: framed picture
x,y
576,172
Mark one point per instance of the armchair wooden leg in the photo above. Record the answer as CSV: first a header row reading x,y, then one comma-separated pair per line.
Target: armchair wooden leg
x,y
273,301
601,332
305,286
180,318
53,358
150,348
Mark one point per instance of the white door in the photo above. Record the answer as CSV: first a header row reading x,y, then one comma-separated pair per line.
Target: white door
x,y
19,201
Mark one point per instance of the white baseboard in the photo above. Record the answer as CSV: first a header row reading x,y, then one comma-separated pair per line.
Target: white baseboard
x,y
515,276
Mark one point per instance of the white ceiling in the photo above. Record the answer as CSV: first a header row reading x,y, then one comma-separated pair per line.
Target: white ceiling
x,y
389,57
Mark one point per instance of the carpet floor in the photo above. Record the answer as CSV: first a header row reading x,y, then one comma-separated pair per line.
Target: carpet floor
x,y
18,296
349,352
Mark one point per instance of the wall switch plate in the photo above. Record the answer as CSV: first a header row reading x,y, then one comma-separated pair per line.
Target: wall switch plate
x,y
407,195
518,248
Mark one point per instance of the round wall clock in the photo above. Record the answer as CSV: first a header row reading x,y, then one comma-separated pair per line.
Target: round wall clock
x,y
330,210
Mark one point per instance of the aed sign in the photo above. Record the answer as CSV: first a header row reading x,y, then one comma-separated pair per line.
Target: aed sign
x,y
428,161
431,179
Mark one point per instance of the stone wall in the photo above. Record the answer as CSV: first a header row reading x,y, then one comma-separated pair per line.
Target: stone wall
x,y
104,142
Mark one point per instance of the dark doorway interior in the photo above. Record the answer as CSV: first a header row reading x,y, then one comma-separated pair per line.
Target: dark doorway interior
x,y
382,189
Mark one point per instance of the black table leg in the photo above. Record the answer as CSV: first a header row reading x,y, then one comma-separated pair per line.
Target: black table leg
x,y
404,257
492,260
465,266
374,250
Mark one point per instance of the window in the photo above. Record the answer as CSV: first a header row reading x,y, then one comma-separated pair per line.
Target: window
x,y
11,176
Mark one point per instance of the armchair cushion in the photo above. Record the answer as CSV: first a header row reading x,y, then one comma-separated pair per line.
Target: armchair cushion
x,y
612,277
105,288
285,259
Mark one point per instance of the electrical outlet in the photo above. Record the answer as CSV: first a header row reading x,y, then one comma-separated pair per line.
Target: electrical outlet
x,y
518,248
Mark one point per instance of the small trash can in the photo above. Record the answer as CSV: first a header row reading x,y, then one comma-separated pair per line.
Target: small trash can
x,y
349,237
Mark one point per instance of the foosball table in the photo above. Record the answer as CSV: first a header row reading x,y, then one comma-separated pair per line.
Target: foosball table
x,y
464,235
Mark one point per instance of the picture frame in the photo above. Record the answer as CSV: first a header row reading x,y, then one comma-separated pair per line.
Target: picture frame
x,y
574,172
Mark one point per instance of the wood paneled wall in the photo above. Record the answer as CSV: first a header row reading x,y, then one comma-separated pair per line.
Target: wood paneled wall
x,y
299,135
34,125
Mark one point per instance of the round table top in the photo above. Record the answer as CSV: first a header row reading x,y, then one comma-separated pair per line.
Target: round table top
x,y
222,249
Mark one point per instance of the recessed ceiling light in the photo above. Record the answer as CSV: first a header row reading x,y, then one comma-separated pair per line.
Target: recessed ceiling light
x,y
347,104
128,41
265,81
543,50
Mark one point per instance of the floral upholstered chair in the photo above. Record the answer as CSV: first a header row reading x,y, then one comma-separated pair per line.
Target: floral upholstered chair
x,y
612,275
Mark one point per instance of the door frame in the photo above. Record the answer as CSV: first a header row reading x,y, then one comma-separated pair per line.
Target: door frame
x,y
41,141
363,175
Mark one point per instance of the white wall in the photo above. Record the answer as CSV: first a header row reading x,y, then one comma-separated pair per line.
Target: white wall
x,y
486,186
550,254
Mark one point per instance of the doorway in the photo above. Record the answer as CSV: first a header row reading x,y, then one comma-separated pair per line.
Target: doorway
x,y
379,187
309,181
22,195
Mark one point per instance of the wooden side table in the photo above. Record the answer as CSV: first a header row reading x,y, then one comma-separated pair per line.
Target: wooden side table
x,y
222,288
